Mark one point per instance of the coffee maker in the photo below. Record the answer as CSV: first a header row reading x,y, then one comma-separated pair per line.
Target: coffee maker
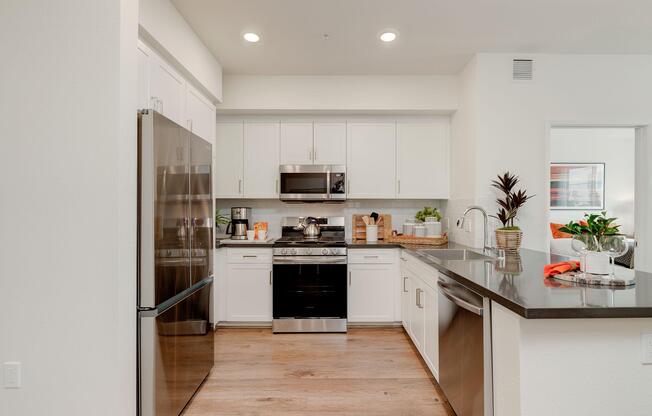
x,y
239,223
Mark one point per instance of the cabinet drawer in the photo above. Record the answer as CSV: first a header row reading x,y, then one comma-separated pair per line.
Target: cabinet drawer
x,y
373,256
248,255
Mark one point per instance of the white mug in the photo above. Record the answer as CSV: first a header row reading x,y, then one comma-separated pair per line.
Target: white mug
x,y
251,234
262,234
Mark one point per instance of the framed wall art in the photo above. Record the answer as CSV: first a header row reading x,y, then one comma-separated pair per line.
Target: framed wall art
x,y
577,186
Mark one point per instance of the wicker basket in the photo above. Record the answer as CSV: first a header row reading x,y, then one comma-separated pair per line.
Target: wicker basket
x,y
408,239
509,240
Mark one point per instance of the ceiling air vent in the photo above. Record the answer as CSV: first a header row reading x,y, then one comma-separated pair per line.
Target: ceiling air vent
x,y
522,70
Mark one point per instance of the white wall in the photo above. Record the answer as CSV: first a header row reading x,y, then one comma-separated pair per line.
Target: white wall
x,y
643,199
272,210
512,118
433,94
463,157
548,367
615,148
164,27
67,176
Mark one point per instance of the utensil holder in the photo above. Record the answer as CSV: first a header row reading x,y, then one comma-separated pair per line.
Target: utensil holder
x,y
372,233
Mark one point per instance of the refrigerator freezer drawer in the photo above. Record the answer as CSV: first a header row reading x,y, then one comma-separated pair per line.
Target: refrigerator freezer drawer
x,y
175,354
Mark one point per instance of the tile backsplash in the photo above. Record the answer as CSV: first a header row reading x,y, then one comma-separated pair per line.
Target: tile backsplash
x,y
272,210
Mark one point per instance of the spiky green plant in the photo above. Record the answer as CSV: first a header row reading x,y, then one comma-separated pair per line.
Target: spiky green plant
x,y
511,201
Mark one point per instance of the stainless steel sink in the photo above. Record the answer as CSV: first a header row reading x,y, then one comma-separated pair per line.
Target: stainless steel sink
x,y
455,254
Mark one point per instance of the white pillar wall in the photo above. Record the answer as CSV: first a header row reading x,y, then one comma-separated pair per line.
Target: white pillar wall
x,y
643,199
68,209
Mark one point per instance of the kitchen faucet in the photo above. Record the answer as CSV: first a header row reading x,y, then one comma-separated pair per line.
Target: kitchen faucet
x,y
487,236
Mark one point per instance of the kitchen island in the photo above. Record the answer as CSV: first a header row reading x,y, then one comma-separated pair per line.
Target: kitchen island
x,y
546,335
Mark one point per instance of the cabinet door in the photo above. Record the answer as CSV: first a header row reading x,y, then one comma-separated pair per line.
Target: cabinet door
x,y
417,312
405,300
371,155
249,293
229,147
167,89
200,115
261,161
330,143
431,329
144,58
371,292
296,144
422,160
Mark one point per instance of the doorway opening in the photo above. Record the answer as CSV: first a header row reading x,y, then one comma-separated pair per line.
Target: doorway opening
x,y
593,169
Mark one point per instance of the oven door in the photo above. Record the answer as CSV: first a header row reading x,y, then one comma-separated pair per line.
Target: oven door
x,y
307,287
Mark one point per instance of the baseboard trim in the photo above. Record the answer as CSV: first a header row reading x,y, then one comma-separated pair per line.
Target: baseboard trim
x,y
227,324
375,324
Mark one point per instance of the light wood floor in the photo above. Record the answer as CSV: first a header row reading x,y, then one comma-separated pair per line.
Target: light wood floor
x,y
369,371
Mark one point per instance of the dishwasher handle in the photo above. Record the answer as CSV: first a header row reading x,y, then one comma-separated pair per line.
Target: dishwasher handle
x,y
459,302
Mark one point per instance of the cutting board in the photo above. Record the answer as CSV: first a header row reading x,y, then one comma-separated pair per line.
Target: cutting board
x,y
359,231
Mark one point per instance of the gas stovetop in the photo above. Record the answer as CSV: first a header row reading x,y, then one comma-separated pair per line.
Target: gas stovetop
x,y
293,243
296,241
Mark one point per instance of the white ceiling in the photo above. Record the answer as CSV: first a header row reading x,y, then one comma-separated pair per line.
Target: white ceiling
x,y
435,36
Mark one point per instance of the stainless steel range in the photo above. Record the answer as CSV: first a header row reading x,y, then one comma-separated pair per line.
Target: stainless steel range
x,y
310,283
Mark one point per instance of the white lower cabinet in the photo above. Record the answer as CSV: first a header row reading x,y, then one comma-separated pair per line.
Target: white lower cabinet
x,y
419,309
431,329
372,285
249,285
405,300
417,312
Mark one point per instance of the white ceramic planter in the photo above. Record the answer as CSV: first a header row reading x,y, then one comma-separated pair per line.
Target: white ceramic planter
x,y
595,263
433,228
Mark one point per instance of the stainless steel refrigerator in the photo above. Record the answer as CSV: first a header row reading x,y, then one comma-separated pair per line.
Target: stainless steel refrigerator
x,y
175,271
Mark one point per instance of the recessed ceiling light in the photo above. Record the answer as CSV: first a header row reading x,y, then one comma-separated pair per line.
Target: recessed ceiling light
x,y
251,37
388,36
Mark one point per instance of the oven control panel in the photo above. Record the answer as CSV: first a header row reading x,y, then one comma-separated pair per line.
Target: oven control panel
x,y
309,251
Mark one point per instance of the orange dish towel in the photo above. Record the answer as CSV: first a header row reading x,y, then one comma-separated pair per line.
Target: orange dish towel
x,y
559,268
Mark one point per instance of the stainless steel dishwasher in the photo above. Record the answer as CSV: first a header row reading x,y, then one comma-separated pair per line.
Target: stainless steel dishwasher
x,y
465,371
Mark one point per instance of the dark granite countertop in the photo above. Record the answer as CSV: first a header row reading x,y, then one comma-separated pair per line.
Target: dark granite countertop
x,y
519,285
226,242
365,244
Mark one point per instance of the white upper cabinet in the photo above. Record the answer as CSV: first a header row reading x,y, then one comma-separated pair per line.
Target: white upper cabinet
x,y
329,146
261,160
229,157
163,89
144,58
167,90
422,160
296,144
200,115
371,160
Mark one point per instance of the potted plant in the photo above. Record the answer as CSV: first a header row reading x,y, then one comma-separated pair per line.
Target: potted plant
x,y
509,236
220,220
591,233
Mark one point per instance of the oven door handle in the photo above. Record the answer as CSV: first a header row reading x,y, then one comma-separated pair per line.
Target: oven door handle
x,y
309,260
328,184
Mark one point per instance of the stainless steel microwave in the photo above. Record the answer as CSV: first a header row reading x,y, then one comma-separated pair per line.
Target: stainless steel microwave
x,y
313,183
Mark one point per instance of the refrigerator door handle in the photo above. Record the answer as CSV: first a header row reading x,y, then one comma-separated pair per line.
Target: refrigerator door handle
x,y
159,309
